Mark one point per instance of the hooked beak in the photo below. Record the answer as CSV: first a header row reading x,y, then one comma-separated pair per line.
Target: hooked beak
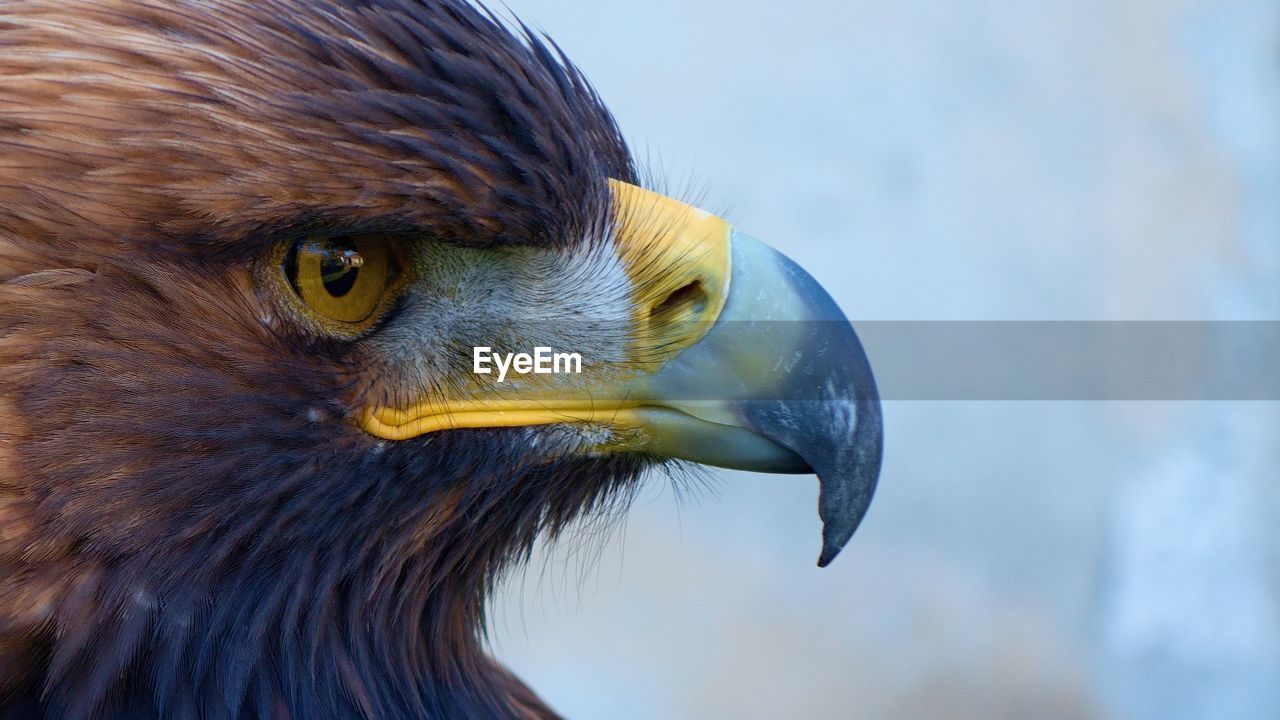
x,y
783,364
739,359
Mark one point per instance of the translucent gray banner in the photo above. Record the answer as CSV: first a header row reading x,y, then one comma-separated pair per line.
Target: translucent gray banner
x,y
1037,360
995,360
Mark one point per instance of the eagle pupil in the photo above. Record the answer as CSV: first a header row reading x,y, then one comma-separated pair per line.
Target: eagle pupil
x,y
336,268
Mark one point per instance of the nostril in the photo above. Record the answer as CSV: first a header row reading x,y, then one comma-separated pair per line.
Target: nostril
x,y
685,302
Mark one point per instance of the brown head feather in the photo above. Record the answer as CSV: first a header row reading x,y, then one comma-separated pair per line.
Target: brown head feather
x,y
189,527
154,119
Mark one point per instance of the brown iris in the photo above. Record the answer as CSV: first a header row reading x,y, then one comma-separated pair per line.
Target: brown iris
x,y
343,279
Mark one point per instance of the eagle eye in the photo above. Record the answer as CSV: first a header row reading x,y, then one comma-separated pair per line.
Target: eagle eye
x,y
343,279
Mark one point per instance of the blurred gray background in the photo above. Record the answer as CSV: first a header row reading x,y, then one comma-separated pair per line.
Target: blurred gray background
x,y
934,160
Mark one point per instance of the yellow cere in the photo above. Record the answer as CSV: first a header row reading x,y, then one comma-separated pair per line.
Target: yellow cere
x,y
677,257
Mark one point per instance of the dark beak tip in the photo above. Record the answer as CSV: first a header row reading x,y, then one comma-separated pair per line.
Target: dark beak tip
x,y
829,553
845,494
836,533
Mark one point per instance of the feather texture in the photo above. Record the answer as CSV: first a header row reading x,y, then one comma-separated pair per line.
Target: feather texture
x,y
190,526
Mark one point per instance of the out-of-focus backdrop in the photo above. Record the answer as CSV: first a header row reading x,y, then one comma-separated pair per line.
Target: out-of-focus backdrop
x,y
936,160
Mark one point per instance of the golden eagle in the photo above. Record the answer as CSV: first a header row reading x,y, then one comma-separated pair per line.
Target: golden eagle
x,y
253,463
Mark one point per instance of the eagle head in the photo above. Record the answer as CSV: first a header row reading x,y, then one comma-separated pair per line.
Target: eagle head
x,y
313,317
